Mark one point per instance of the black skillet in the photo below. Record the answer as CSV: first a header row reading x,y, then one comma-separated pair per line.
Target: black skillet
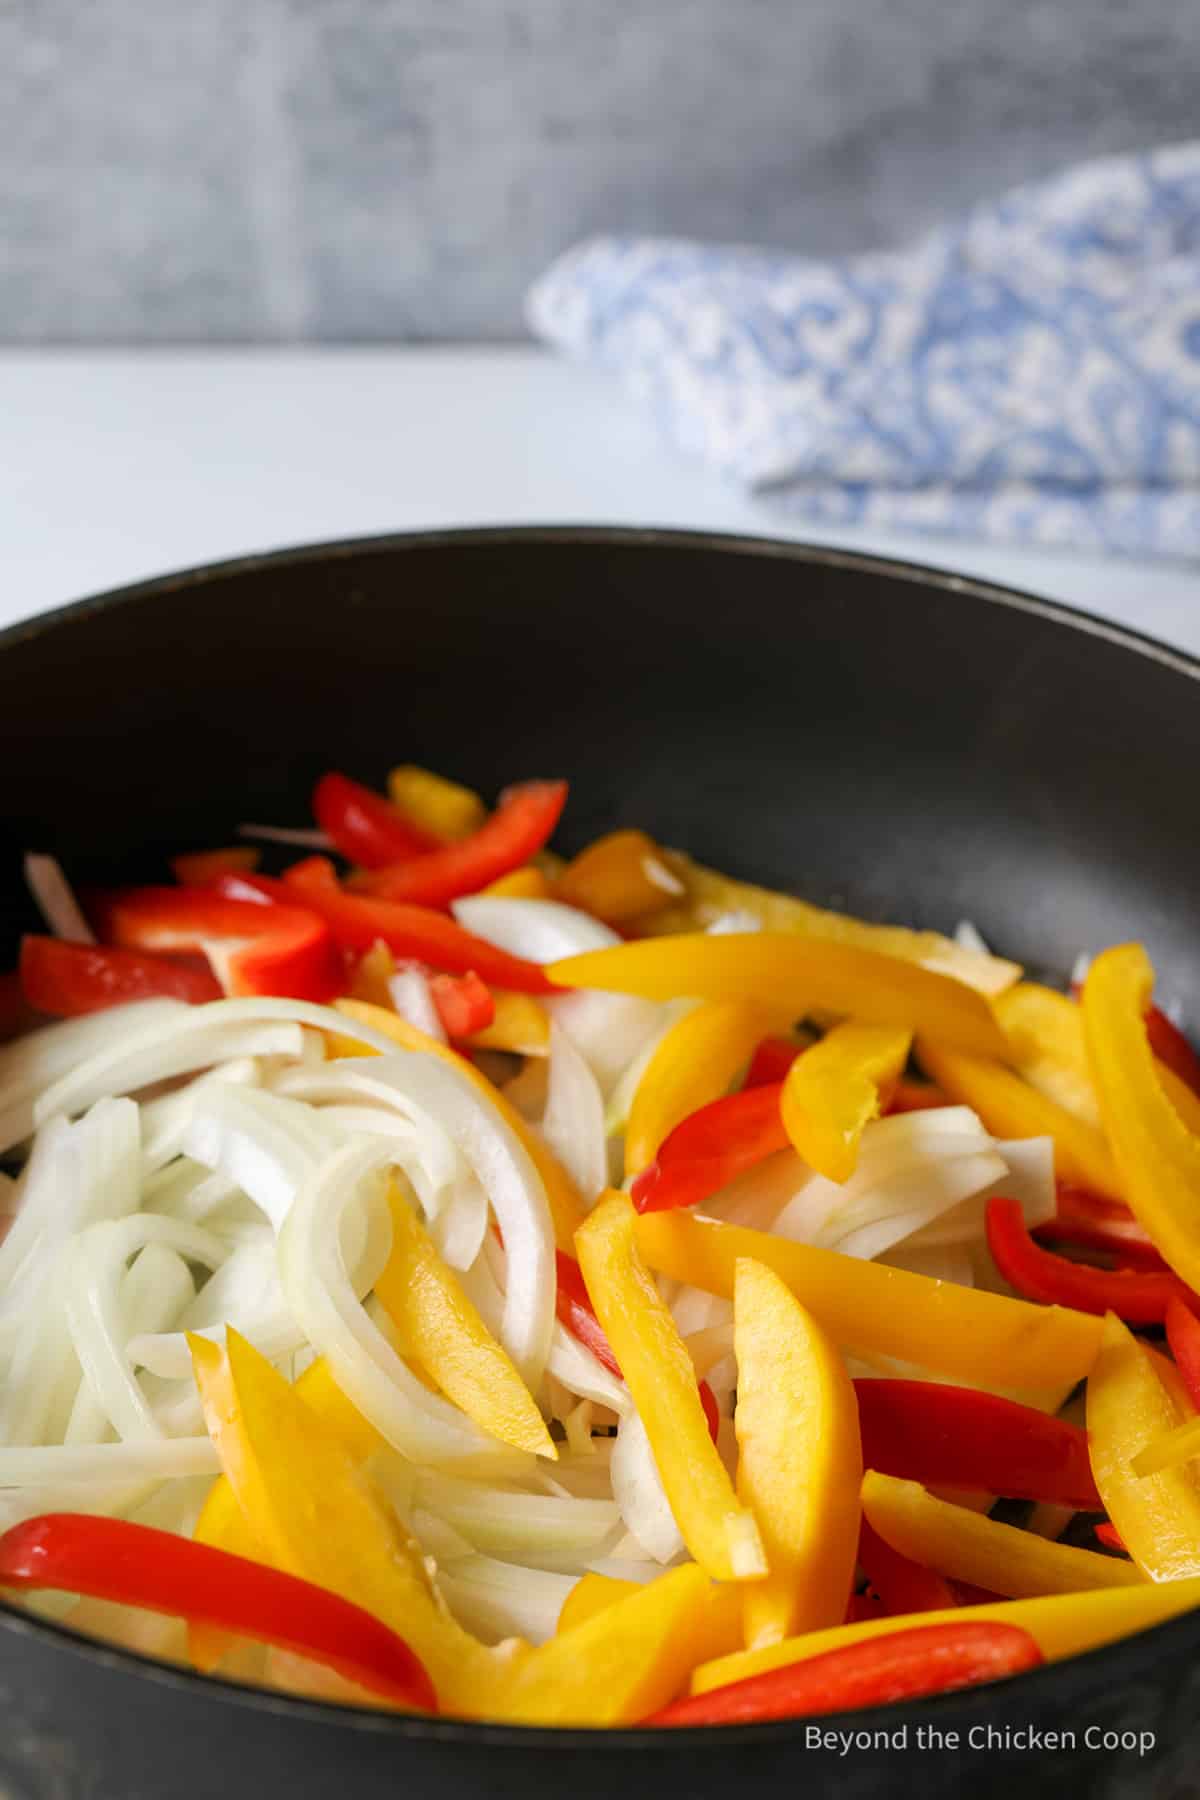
x,y
887,739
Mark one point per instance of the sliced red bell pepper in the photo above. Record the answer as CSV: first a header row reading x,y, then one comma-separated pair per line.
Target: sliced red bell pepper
x,y
1109,1536
137,1565
915,1096
464,1003
365,827
17,1013
67,979
771,1061
1183,1336
899,1665
576,1313
866,1605
1139,1296
1172,1048
945,1436
712,1145
199,868
1091,1222
519,827
902,1585
359,921
256,949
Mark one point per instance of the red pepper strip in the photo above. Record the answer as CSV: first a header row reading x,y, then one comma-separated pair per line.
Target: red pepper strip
x,y
901,1665
864,1606
358,922
67,979
903,1585
712,1145
1172,1048
292,952
576,1313
16,1011
199,868
1140,1297
967,1594
1109,1536
365,827
137,1565
771,1061
517,829
1183,1336
1093,1223
464,1003
957,1437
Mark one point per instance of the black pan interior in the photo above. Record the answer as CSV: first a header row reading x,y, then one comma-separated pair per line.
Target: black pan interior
x,y
886,739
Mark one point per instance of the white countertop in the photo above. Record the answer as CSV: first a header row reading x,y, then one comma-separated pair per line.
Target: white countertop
x,y
119,465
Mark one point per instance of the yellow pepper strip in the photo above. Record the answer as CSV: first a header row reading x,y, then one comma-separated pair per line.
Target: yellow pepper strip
x,y
833,1090
590,1595
527,883
965,1334
799,1459
721,1535
968,1546
717,1634
566,1203
619,877
1176,1446
1045,1030
695,1062
710,894
305,1500
1129,1407
1063,1625
1010,1108
441,1329
618,1666
442,807
1157,1155
520,1025
792,976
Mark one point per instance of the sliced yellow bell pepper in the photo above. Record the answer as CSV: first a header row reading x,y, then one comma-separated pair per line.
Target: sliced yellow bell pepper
x,y
520,1025
441,1330
371,977
963,1333
968,1546
792,976
717,1633
1010,1108
1063,1625
590,1595
304,1499
618,1666
566,1202
618,877
526,883
1178,1445
1157,1155
710,894
695,1062
721,1535
1129,1407
833,1091
443,807
799,1459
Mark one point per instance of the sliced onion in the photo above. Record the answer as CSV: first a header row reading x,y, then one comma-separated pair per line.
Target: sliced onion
x,y
638,1491
56,900
758,1195
305,837
153,1291
165,1120
967,937
521,1527
733,924
245,1292
93,1274
620,1100
1028,1178
42,1058
498,1600
573,1123
412,999
939,1262
421,1425
265,1144
190,1037
151,1459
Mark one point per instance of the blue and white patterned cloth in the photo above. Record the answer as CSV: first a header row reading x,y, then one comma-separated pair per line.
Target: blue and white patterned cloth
x,y
1031,372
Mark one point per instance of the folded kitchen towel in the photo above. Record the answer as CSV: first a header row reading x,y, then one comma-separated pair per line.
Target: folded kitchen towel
x,y
1030,372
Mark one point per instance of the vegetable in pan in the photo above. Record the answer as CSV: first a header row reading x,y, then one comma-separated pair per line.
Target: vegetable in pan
x,y
595,1292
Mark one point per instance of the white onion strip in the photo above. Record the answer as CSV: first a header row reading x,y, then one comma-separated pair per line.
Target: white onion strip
x,y
56,900
639,1493
159,1459
573,1123
41,1059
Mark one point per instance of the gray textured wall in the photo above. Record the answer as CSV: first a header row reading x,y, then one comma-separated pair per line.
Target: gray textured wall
x,y
283,169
